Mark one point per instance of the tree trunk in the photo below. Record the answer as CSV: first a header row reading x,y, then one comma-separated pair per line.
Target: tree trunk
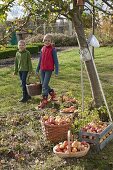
x,y
94,82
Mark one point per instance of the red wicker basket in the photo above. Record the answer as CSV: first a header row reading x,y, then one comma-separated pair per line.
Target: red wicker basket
x,y
55,133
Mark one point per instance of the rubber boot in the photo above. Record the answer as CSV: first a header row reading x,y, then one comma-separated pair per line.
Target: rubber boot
x,y
24,98
52,96
43,103
28,97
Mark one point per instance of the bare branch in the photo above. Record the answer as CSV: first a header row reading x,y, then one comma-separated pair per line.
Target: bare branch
x,y
99,8
108,4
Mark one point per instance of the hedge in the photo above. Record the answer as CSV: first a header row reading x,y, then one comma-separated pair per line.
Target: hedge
x,y
10,51
60,40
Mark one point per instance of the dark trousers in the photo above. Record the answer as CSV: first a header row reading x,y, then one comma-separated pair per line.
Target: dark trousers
x,y
45,79
23,77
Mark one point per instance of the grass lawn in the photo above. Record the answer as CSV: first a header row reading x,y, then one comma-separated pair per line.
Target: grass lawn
x,y
21,133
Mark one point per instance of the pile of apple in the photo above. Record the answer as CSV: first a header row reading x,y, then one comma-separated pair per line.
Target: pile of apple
x,y
106,136
58,120
68,99
75,147
95,127
71,109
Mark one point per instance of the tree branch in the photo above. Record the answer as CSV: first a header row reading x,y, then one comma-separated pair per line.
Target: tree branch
x,y
13,30
108,4
4,7
108,13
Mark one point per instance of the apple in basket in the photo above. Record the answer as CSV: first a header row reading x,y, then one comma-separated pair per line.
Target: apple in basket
x,y
51,120
46,122
75,146
57,148
61,120
45,117
84,143
68,120
63,145
58,119
81,148
74,150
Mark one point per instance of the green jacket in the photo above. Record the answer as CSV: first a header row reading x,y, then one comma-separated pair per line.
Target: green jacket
x,y
23,61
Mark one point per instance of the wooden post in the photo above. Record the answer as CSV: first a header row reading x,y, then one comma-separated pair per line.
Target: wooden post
x,y
70,27
93,26
80,2
44,27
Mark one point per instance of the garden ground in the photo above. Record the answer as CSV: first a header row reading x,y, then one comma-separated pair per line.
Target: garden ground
x,y
22,143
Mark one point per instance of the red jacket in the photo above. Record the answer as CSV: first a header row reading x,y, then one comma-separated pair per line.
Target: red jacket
x,y
47,61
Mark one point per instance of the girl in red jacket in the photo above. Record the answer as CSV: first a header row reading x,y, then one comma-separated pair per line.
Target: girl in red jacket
x,y
47,63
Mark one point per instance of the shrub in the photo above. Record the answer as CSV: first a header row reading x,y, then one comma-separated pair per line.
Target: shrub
x,y
34,39
59,39
65,40
104,32
7,53
35,45
33,49
12,46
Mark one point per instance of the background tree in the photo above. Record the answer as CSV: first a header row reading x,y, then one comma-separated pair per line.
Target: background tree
x,y
73,10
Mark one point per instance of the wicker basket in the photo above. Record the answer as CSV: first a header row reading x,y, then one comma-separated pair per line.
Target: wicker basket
x,y
55,133
71,154
34,89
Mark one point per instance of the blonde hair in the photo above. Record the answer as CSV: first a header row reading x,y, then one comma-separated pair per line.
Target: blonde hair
x,y
21,42
48,36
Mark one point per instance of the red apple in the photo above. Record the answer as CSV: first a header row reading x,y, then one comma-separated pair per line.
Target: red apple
x,y
57,148
46,122
65,143
74,150
84,143
99,130
61,146
84,129
51,120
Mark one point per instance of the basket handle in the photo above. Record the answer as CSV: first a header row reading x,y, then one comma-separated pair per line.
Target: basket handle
x,y
69,139
28,78
39,78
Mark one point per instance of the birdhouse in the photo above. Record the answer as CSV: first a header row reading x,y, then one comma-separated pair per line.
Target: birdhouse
x,y
80,2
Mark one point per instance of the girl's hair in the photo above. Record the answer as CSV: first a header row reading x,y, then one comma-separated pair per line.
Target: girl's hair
x,y
21,42
48,36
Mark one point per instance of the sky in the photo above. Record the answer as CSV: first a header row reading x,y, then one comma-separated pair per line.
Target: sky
x,y
15,12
